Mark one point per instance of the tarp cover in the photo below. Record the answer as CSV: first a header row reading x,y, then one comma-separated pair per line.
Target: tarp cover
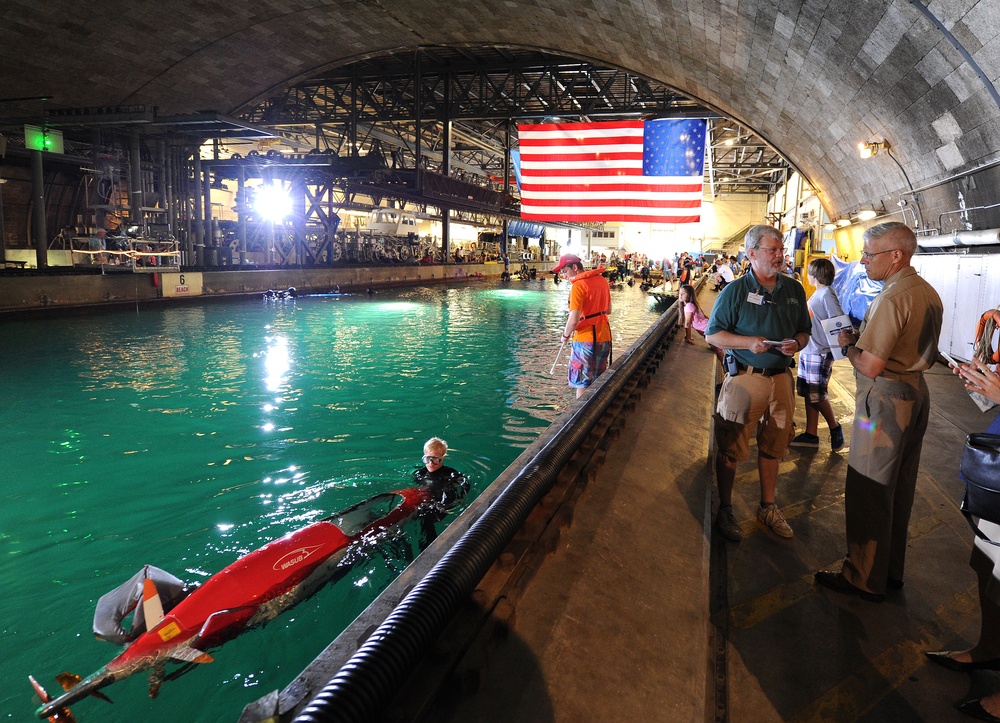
x,y
114,606
520,227
854,289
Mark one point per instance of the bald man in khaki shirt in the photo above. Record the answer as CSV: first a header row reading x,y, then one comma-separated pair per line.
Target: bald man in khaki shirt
x,y
897,342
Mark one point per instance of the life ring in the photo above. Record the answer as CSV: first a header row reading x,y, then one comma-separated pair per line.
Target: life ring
x,y
986,328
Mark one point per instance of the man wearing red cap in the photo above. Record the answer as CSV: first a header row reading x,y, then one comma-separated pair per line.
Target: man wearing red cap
x,y
587,323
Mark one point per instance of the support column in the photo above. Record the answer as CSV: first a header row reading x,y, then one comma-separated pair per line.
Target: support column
x,y
189,216
135,201
353,130
446,140
168,188
267,179
417,101
446,234
91,224
241,212
298,199
332,224
3,231
198,233
209,240
506,184
38,231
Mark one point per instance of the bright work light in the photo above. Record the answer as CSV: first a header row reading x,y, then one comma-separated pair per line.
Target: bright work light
x,y
272,202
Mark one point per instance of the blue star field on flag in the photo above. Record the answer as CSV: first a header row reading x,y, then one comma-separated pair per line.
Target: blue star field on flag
x,y
673,147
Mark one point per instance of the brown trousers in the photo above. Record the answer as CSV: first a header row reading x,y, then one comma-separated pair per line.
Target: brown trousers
x,y
890,418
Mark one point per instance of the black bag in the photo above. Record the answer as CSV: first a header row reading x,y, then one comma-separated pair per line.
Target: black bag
x,y
981,473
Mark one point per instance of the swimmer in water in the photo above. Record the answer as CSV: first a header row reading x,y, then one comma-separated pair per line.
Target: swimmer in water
x,y
447,485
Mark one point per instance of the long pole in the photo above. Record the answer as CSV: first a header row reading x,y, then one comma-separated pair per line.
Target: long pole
x,y
558,354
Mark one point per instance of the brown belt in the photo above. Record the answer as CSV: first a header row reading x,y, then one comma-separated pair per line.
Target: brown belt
x,y
766,372
900,376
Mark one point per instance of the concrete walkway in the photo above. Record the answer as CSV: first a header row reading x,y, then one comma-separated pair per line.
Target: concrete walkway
x,y
642,613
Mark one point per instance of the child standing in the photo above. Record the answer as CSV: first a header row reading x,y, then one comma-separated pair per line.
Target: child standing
x,y
816,360
693,316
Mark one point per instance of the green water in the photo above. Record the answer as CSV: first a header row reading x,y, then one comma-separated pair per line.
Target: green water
x,y
186,437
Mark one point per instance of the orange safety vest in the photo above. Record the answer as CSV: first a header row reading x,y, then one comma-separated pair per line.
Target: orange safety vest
x,y
597,300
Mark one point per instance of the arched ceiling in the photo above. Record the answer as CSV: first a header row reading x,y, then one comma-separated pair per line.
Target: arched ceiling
x,y
813,78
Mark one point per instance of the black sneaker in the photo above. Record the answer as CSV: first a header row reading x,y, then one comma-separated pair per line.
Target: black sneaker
x,y
837,437
805,440
728,525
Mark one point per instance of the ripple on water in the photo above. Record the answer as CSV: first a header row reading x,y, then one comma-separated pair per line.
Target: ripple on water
x,y
186,437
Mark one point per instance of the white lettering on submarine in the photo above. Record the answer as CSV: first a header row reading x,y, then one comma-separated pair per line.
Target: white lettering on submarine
x,y
295,557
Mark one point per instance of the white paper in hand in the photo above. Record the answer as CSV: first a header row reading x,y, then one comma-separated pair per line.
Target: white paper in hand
x,y
832,327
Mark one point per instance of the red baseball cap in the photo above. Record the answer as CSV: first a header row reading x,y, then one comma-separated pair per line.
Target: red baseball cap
x,y
565,260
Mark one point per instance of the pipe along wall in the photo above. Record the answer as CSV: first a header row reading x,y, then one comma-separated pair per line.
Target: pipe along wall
x,y
368,681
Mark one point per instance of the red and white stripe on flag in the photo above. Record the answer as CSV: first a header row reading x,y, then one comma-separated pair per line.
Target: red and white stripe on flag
x,y
594,172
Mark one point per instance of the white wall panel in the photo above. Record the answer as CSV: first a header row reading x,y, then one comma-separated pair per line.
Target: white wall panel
x,y
941,272
967,309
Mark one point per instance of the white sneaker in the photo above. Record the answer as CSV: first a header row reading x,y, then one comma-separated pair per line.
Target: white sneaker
x,y
771,517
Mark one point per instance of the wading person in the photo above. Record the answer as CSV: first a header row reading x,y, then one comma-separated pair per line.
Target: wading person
x,y
761,320
446,485
898,340
587,323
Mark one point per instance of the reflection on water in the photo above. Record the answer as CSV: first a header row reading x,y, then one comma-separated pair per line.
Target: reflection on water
x,y
276,363
186,437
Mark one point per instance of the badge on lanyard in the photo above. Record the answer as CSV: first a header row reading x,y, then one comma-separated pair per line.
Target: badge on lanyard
x,y
755,298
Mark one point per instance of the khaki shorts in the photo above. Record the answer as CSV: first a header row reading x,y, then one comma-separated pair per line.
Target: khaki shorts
x,y
750,402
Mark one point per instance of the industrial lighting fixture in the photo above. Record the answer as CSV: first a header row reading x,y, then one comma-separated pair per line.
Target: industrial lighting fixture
x,y
867,214
272,202
867,150
829,226
843,222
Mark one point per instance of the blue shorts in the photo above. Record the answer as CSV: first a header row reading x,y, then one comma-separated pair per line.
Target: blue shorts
x,y
587,361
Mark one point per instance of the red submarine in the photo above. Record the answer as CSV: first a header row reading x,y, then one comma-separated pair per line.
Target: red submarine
x,y
249,593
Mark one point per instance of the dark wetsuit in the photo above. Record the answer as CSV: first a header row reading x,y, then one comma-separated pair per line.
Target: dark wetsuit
x,y
448,487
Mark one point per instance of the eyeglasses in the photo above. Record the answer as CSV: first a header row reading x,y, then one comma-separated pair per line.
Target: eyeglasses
x,y
869,255
432,459
772,251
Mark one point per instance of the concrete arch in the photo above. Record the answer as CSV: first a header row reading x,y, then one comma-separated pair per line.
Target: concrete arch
x,y
813,78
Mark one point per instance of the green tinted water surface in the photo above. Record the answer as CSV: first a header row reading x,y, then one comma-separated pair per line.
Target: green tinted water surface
x,y
186,437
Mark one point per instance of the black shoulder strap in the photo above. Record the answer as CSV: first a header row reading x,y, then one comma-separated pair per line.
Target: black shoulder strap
x,y
975,528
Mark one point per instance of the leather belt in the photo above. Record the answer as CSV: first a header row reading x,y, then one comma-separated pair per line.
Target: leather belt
x,y
765,372
900,376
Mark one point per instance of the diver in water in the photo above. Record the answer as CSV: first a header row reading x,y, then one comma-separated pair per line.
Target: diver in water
x,y
289,293
447,486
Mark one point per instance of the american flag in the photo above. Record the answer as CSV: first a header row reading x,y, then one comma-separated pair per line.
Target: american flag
x,y
645,171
